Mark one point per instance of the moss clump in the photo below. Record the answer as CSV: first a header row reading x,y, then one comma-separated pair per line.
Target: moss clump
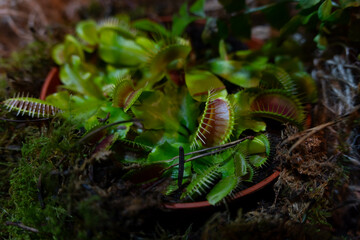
x,y
35,185
12,135
308,185
59,189
28,209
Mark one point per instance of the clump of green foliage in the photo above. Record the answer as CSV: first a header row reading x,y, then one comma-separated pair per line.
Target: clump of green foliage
x,y
117,69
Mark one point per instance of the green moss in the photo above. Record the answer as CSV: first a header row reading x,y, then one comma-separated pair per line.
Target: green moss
x,y
41,154
27,209
10,155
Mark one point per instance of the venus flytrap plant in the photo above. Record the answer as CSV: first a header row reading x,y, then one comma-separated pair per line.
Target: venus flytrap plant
x,y
117,70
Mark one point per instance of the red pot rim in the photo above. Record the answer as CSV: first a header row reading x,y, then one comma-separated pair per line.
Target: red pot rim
x,y
51,83
206,204
50,86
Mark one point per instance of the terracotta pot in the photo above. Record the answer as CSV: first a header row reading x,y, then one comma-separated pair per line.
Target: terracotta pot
x,y
51,83
206,204
50,86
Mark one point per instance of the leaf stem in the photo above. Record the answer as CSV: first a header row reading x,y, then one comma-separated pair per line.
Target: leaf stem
x,y
219,148
106,126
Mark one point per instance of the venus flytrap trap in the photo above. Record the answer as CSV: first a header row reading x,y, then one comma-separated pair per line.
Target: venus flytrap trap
x,y
216,124
124,94
32,106
116,70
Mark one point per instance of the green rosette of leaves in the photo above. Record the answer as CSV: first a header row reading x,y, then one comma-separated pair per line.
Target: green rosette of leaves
x,y
116,70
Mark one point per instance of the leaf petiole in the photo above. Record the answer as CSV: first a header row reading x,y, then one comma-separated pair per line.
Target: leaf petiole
x,y
220,149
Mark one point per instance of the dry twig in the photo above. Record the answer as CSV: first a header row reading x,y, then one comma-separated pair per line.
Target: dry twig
x,y
311,131
21,225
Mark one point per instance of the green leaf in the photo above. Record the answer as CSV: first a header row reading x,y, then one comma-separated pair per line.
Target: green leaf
x,y
307,87
181,21
321,41
159,111
242,103
116,49
243,119
325,10
277,77
257,160
224,67
335,16
114,74
150,26
222,189
87,30
60,99
200,82
244,123
151,138
240,164
165,56
308,3
146,43
116,114
118,25
309,17
175,171
151,110
201,182
82,109
163,152
58,54
202,164
72,47
222,50
228,168
244,78
258,145
249,176
78,79
189,112
198,8
292,26
235,72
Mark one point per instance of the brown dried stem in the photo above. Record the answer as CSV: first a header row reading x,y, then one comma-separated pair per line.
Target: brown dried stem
x,y
219,148
311,131
21,225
